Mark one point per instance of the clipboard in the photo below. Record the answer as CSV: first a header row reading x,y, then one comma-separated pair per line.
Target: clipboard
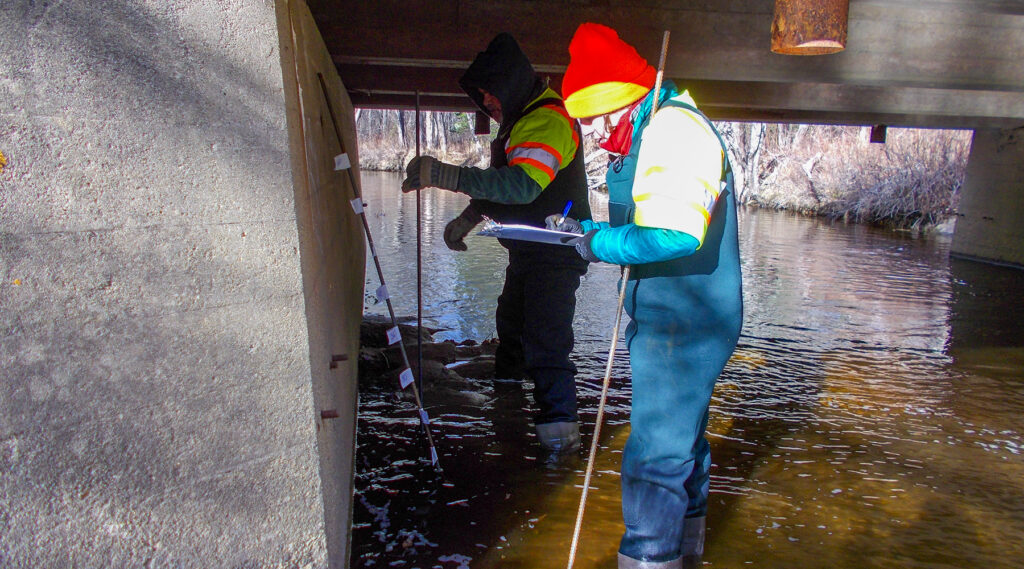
x,y
528,233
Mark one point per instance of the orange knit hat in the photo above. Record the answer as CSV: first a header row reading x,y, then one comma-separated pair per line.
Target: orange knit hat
x,y
604,73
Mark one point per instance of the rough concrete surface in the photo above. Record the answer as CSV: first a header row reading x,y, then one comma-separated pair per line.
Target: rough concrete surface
x,y
155,397
322,126
988,222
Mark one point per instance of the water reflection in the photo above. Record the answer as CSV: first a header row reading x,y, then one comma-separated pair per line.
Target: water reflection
x,y
460,290
869,418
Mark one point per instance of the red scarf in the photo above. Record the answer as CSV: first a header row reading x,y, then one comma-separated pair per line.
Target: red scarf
x,y
621,138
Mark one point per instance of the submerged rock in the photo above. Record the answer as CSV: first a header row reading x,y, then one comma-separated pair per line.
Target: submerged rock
x,y
373,332
435,351
470,349
480,367
448,368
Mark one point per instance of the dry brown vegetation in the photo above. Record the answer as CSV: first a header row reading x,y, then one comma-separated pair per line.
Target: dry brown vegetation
x,y
911,181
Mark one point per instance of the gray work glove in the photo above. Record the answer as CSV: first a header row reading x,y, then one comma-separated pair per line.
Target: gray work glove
x,y
429,172
583,247
458,228
558,223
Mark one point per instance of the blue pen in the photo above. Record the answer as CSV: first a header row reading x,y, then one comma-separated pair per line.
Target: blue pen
x,y
565,212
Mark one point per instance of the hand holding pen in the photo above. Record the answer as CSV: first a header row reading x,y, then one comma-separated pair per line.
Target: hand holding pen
x,y
562,222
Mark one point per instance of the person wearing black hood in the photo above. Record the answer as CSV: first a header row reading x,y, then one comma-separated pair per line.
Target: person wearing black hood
x,y
536,169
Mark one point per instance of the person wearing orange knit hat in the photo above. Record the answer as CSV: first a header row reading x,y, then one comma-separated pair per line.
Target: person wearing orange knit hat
x,y
672,218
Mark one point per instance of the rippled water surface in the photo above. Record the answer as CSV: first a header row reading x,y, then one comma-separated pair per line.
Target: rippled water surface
x,y
871,416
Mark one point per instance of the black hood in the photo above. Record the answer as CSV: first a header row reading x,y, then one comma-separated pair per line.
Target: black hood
x,y
503,71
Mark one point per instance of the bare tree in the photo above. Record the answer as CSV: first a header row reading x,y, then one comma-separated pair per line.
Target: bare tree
x,y
744,141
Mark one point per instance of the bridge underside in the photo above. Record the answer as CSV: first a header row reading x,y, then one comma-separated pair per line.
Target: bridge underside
x,y
907,63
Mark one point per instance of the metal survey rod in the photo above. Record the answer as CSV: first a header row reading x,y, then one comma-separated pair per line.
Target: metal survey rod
x,y
419,267
434,457
611,351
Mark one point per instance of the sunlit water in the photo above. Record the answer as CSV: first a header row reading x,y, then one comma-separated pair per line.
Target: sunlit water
x,y
871,416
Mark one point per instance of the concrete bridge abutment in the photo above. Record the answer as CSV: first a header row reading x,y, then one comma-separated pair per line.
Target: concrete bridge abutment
x,y
180,288
990,221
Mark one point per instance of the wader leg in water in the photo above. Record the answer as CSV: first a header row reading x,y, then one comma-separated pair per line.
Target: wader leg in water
x,y
693,542
666,463
508,319
545,278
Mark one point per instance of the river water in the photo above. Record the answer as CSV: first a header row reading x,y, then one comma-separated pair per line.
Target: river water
x,y
871,416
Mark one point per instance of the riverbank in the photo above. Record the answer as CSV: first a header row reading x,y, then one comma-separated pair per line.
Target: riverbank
x,y
912,181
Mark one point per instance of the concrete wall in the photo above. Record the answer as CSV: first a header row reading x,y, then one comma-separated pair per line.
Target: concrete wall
x,y
156,391
989,223
321,124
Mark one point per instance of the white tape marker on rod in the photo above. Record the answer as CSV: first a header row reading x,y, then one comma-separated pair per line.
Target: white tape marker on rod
x,y
406,378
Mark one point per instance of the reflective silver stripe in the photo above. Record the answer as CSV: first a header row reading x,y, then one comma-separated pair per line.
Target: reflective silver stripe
x,y
538,154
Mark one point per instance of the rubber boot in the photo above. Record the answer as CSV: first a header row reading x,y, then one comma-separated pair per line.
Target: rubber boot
x,y
560,438
693,542
630,563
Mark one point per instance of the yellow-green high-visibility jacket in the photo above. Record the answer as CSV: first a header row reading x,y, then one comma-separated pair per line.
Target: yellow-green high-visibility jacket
x,y
536,167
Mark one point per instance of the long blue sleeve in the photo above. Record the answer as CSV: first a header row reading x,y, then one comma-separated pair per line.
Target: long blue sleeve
x,y
632,244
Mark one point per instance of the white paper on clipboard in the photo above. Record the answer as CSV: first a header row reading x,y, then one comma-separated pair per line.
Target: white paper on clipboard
x,y
529,233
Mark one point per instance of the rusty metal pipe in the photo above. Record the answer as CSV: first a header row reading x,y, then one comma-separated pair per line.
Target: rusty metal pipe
x,y
809,27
